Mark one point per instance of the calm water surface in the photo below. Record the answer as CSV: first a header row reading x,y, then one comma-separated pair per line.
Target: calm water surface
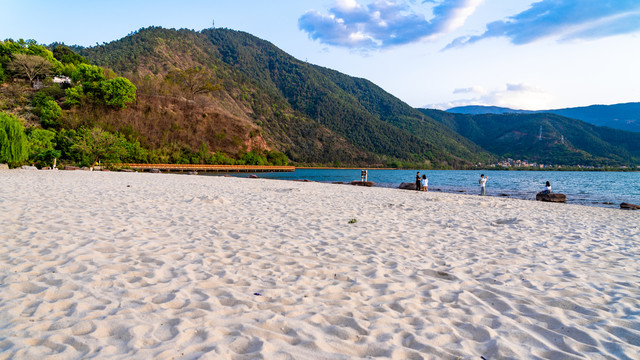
x,y
593,188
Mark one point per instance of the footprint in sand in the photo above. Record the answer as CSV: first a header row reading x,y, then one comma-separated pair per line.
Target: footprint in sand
x,y
28,288
55,295
163,298
83,328
167,330
243,345
74,269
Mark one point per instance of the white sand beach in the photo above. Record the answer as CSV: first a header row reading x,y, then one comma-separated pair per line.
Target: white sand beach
x,y
98,265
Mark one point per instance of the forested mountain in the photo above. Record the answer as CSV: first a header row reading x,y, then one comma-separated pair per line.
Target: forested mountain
x,y
220,96
617,116
545,138
312,114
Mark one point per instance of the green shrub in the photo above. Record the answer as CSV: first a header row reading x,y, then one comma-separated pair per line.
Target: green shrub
x,y
278,159
50,113
46,158
253,158
118,92
40,141
73,96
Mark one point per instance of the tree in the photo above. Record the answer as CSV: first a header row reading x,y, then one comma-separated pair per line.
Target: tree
x,y
67,56
13,142
86,73
30,67
9,47
193,81
42,145
99,145
50,113
118,92
48,109
73,96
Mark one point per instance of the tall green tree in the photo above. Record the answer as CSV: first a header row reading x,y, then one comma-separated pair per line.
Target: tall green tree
x,y
86,73
48,109
90,76
40,140
42,146
13,142
99,145
118,92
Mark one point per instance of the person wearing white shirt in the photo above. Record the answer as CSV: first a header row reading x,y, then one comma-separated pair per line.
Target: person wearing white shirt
x,y
483,182
547,189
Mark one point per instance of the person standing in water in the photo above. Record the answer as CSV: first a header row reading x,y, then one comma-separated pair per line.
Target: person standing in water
x,y
483,182
418,184
424,183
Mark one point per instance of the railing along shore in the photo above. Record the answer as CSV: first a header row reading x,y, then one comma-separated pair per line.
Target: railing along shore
x,y
206,168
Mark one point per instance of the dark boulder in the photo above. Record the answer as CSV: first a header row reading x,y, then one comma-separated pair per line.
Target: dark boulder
x,y
407,186
629,206
553,197
362,183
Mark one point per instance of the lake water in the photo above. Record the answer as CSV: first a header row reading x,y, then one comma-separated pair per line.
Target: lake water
x,y
593,188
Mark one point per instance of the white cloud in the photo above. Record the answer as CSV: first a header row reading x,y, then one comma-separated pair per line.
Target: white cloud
x,y
514,96
385,23
477,90
566,19
347,4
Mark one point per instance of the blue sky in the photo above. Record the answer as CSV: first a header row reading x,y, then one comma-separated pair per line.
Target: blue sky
x,y
430,53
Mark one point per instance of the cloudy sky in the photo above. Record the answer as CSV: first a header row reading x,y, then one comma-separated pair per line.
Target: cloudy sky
x,y
523,54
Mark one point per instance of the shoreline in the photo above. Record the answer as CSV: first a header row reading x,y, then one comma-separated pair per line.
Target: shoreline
x,y
472,191
139,265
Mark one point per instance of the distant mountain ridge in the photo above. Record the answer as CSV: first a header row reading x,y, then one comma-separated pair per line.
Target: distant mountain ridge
x,y
545,138
624,116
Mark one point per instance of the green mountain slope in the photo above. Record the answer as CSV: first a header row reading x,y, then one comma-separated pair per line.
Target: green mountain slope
x,y
564,141
618,116
313,114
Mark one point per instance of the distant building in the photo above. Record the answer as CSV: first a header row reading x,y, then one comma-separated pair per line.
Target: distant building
x,y
62,80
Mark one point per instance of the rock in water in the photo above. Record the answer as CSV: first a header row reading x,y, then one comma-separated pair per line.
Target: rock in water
x,y
630,206
553,197
407,186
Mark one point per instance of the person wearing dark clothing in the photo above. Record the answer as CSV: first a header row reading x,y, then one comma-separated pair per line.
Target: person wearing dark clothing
x,y
418,183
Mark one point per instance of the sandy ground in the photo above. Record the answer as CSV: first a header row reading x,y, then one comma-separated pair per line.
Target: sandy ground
x,y
141,266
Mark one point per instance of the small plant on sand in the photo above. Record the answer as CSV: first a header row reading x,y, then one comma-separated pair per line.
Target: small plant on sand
x,y
353,221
